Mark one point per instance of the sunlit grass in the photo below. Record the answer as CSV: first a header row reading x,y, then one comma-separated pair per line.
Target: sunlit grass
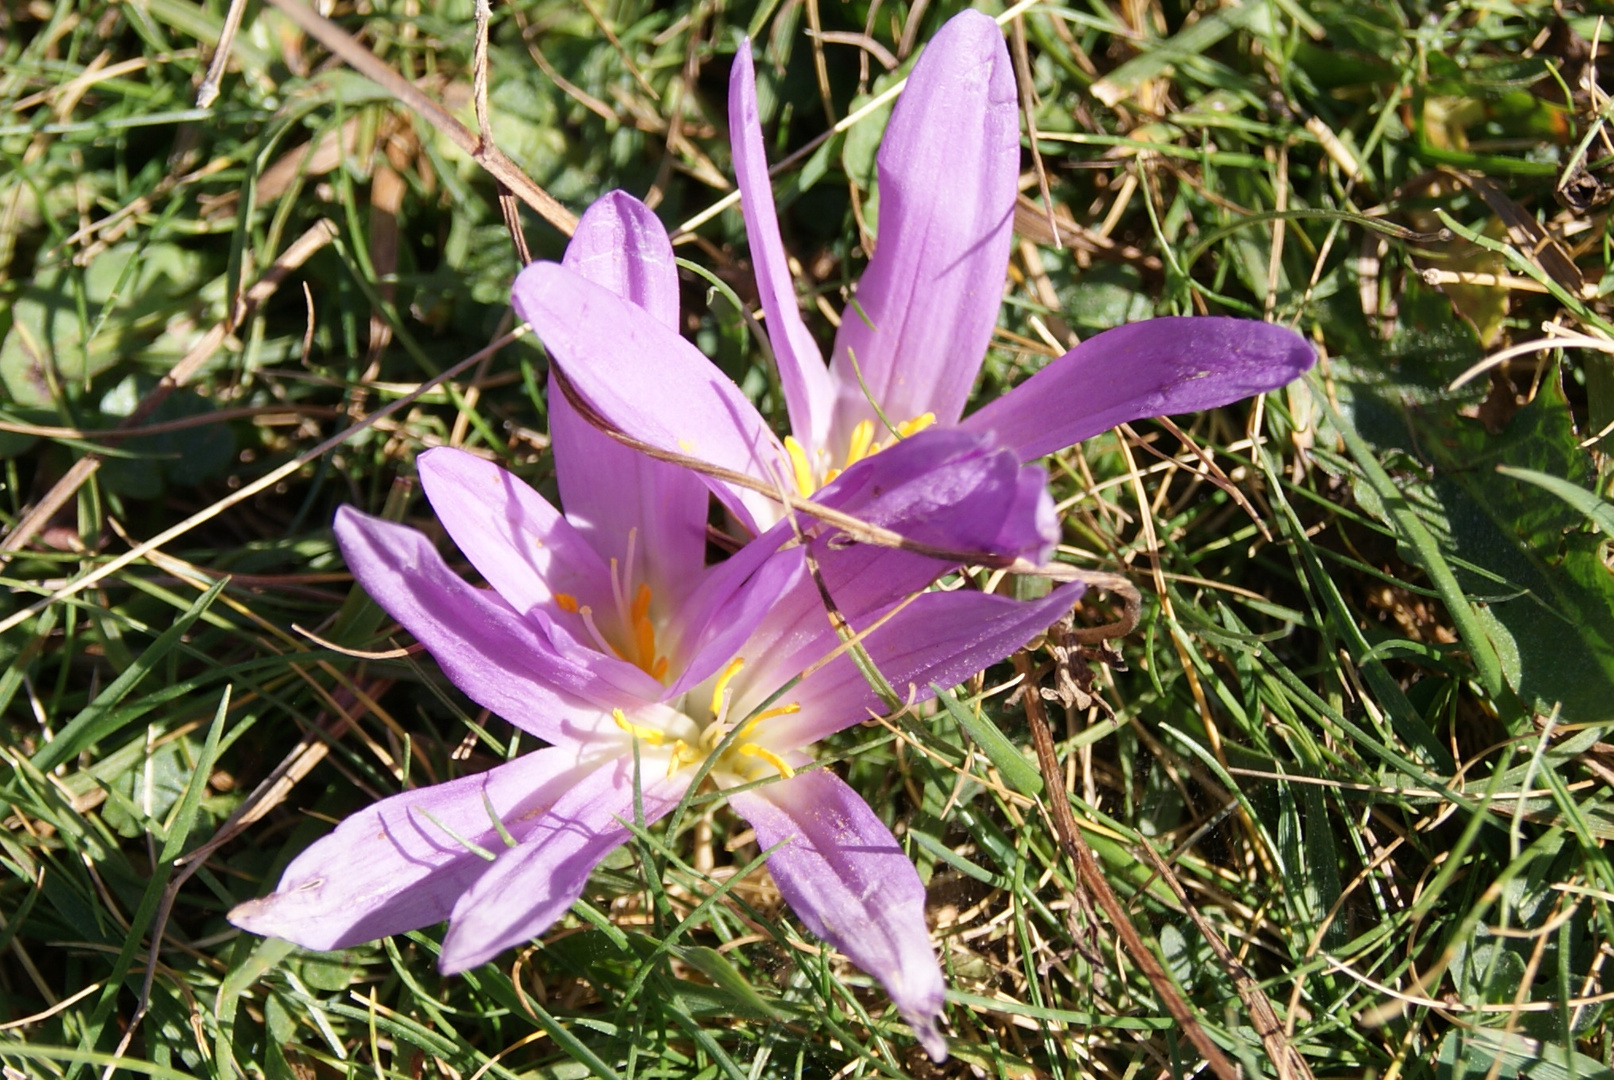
x,y
1361,719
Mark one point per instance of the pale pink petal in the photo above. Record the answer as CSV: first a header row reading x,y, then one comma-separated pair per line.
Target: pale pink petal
x,y
809,394
516,540
847,879
622,245
948,166
397,865
610,491
498,658
531,886
651,383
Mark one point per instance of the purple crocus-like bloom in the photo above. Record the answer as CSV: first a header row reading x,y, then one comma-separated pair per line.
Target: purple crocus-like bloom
x,y
606,636
922,318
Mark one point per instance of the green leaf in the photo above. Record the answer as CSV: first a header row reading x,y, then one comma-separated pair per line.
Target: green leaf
x,y
994,744
715,966
1480,1052
97,720
1597,511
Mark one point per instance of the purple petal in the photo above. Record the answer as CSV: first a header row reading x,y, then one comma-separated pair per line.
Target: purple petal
x,y
1150,368
499,659
396,865
650,382
733,599
622,245
809,394
846,877
942,487
948,169
609,490
531,555
941,638
951,489
531,886
516,540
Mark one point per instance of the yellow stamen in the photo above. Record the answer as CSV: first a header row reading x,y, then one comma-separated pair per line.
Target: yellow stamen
x,y
639,731
722,683
566,602
800,466
913,427
767,714
857,447
641,603
659,669
751,749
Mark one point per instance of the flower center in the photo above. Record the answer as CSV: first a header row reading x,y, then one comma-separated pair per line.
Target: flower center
x,y
859,445
635,636
742,757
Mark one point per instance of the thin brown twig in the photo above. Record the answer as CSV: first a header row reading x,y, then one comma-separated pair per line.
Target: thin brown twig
x,y
208,91
490,157
1028,106
1092,877
865,533
1285,1058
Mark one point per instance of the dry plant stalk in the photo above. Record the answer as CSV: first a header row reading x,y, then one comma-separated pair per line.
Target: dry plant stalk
x,y
1092,878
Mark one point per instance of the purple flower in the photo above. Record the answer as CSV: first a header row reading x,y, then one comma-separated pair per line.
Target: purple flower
x,y
606,636
922,318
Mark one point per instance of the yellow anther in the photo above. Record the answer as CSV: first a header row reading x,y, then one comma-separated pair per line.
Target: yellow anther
x,y
799,464
751,749
566,602
641,603
916,425
857,447
767,714
639,731
722,683
659,669
644,639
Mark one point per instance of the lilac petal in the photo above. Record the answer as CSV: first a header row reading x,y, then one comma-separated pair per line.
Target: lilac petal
x,y
622,245
951,489
809,394
531,886
927,303
531,555
846,877
609,490
1150,368
734,598
396,865
649,382
516,540
943,487
941,638
499,659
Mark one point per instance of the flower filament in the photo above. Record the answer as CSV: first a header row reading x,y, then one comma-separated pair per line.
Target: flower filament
x,y
859,445
634,618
